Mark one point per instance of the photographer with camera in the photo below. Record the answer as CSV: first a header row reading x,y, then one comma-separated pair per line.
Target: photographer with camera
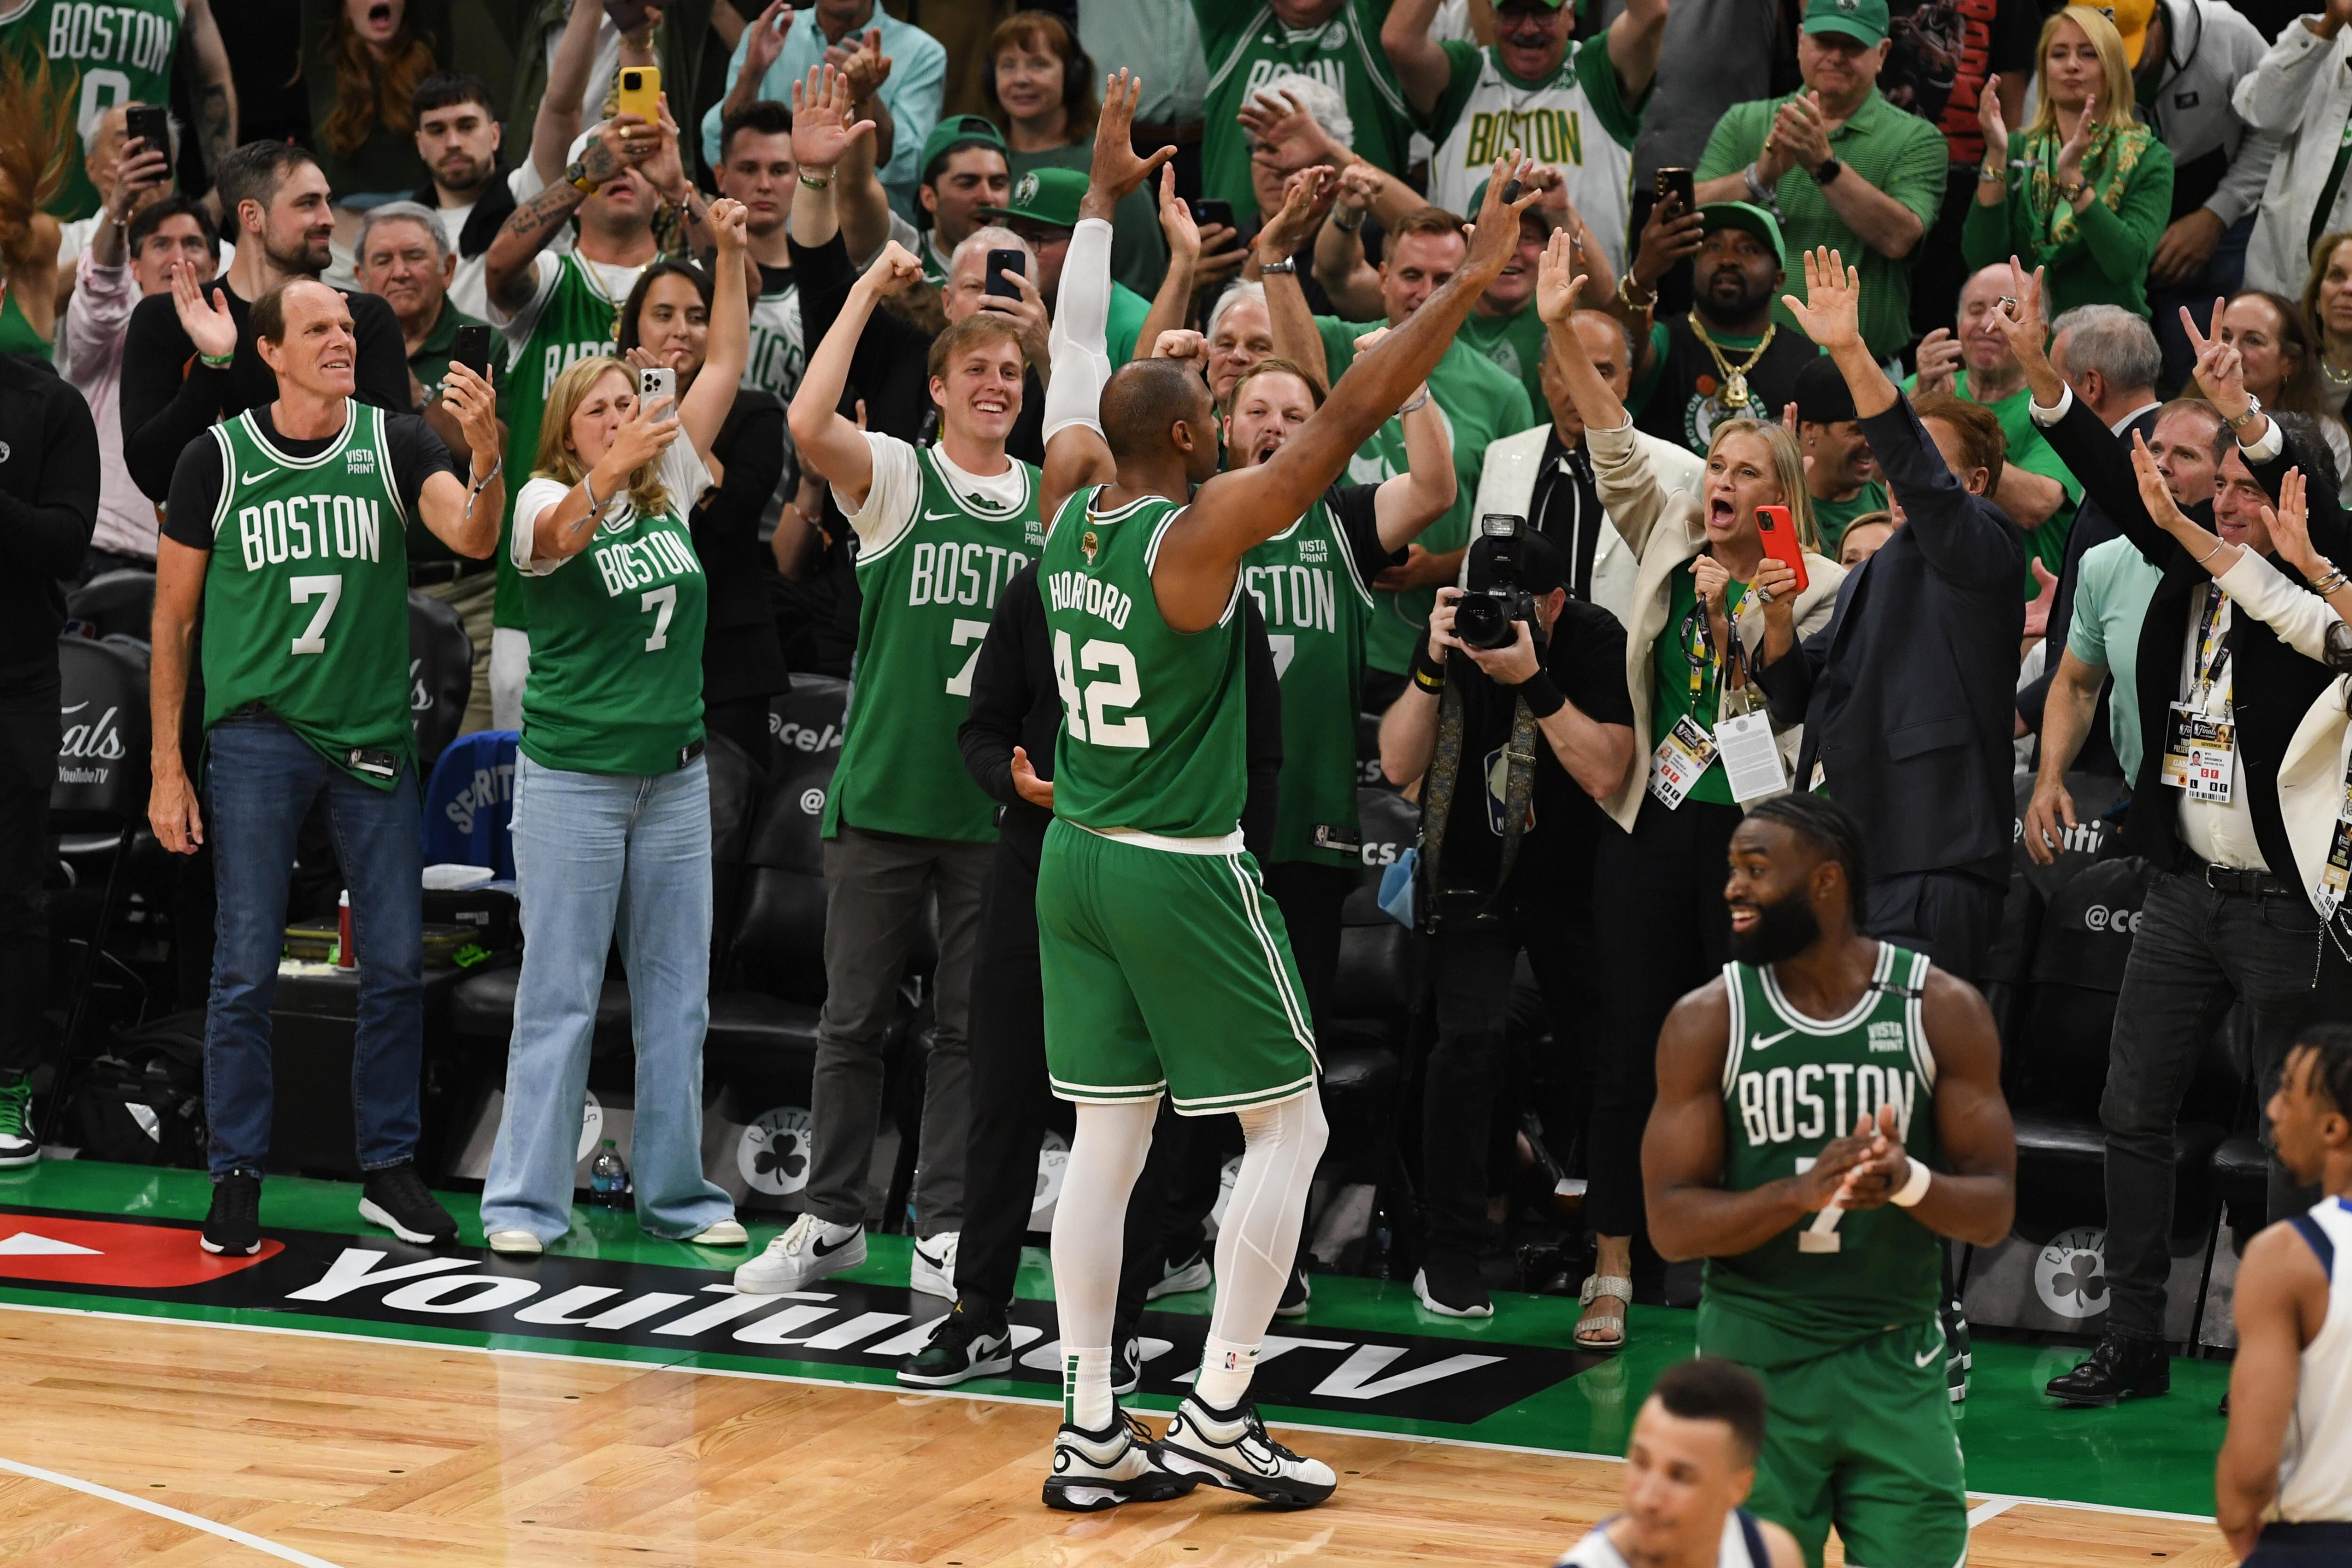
x,y
1704,587
1515,718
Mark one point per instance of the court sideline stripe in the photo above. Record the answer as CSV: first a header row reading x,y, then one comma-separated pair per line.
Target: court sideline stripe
x,y
144,1505
2007,1498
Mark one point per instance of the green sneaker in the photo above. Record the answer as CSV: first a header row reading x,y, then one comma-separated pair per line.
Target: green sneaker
x,y
18,1146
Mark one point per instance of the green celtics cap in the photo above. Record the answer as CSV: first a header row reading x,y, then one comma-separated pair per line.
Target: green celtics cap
x,y
1864,21
958,130
1044,196
1747,215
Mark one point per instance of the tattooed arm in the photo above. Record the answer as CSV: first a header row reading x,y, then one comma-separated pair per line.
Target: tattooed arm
x,y
507,270
216,87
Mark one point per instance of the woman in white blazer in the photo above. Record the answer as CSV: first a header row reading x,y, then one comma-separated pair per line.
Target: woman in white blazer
x,y
1703,595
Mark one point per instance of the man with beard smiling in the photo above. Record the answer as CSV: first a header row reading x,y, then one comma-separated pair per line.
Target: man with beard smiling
x,y
273,203
1728,359
1826,1081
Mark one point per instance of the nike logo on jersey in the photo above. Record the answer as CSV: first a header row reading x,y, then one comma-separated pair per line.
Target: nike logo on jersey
x,y
255,478
941,516
1766,1042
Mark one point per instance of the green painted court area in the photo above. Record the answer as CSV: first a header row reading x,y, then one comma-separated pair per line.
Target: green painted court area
x,y
2153,1455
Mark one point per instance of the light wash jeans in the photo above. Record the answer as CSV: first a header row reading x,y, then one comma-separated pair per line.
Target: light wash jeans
x,y
597,855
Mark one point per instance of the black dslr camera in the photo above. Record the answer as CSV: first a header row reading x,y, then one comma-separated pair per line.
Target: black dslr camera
x,y
1495,594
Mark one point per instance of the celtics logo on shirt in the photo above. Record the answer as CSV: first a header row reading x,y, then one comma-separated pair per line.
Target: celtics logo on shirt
x,y
1707,407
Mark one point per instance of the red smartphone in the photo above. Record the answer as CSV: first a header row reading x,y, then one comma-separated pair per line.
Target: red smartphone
x,y
1779,531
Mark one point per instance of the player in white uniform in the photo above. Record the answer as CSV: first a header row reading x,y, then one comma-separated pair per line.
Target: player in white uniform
x,y
2283,1489
1687,1471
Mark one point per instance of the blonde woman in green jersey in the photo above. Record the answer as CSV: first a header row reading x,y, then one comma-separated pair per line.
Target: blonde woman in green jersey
x,y
611,797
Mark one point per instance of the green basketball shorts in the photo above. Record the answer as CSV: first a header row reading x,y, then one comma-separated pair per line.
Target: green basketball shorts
x,y
1166,970
1863,1438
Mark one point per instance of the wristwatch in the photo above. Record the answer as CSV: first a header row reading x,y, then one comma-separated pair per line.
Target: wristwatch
x,y
1828,169
1287,265
578,174
2253,406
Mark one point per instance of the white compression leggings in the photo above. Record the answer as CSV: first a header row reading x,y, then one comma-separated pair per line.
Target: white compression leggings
x,y
1256,1243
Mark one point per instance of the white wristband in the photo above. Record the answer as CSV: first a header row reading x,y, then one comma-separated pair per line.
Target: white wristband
x,y
1914,1188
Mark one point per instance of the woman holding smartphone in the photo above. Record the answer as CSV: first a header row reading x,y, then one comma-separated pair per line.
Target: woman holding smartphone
x,y
1706,593
611,797
666,325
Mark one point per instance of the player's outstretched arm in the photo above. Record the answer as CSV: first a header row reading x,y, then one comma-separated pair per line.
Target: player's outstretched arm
x,y
1682,1148
1236,512
1976,1199
2280,1302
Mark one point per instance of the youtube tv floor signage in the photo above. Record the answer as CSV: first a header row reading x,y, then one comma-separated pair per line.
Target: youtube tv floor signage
x,y
380,1287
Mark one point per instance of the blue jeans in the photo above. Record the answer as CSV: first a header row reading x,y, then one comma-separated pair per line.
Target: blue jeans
x,y
260,784
600,856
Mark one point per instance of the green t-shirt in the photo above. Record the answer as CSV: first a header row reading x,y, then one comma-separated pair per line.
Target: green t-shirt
x,y
2030,450
305,592
1139,250
1900,154
1128,309
1676,660
1481,403
1830,518
615,680
99,56
1515,342
1246,47
1154,721
2112,585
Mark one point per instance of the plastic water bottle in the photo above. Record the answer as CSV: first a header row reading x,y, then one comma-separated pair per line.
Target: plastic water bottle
x,y
608,1178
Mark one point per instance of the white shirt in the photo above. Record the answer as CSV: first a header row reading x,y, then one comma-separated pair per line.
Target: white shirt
x,y
898,489
682,471
1597,1551
2223,834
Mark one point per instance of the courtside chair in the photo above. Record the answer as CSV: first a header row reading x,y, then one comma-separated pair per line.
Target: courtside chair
x,y
440,676
115,603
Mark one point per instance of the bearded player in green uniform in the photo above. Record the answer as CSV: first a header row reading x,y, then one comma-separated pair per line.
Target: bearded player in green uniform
x,y
1827,1112
1165,967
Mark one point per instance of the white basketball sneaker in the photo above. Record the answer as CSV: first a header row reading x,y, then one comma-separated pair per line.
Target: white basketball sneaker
x,y
810,1249
932,1271
1095,1470
1230,1448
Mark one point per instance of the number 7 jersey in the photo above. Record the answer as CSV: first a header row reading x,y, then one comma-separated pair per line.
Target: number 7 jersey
x,y
927,594
1154,721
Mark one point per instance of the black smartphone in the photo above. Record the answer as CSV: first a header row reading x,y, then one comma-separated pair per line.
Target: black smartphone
x,y
152,125
1212,210
1676,184
999,263
472,349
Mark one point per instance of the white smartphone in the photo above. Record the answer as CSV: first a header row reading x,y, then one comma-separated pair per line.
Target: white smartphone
x,y
658,383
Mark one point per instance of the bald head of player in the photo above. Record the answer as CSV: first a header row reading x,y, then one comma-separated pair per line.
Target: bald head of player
x,y
1692,1461
1796,880
305,334
1160,422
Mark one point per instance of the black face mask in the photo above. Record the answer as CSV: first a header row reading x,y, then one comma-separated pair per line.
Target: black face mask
x,y
1783,929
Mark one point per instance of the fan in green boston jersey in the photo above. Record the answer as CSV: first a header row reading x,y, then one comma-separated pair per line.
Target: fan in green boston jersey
x,y
1828,1111
1248,43
120,51
1163,967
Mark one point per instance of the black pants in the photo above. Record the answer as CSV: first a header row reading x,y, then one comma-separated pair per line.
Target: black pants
x,y
1012,1100
1310,897
1663,931
1950,916
1471,961
29,764
2195,952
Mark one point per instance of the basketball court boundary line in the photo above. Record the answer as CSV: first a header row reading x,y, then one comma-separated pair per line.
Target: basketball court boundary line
x,y
2007,1500
146,1505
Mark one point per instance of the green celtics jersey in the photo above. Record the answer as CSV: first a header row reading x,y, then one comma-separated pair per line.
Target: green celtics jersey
x,y
928,594
1515,342
1246,47
615,682
579,318
306,593
1154,720
1791,1086
1316,606
120,51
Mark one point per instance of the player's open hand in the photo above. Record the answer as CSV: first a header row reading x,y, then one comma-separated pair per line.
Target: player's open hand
x,y
1117,170
1831,311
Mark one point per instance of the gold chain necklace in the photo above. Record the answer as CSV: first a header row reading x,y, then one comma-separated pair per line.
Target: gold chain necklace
x,y
1735,378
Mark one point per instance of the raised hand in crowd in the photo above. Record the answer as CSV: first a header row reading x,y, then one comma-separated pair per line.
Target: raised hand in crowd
x,y
2290,528
139,170
470,398
822,128
765,41
1183,346
1994,126
1940,361
1352,197
2068,169
2023,321
2210,550
1559,285
1030,318
1307,196
1830,312
206,321
1286,135
839,55
1208,254
1670,234
2221,373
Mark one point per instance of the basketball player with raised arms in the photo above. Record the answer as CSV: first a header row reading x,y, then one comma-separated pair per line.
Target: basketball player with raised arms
x,y
2282,1489
1166,968
1828,1111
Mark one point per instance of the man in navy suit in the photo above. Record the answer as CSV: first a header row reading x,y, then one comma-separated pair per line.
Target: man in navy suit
x,y
1906,696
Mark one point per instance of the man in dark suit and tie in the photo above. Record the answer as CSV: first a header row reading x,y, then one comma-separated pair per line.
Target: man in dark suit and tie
x,y
1906,696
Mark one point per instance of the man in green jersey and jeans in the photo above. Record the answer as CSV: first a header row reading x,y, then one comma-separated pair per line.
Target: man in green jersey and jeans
x,y
1165,969
940,531
285,530
1828,1111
